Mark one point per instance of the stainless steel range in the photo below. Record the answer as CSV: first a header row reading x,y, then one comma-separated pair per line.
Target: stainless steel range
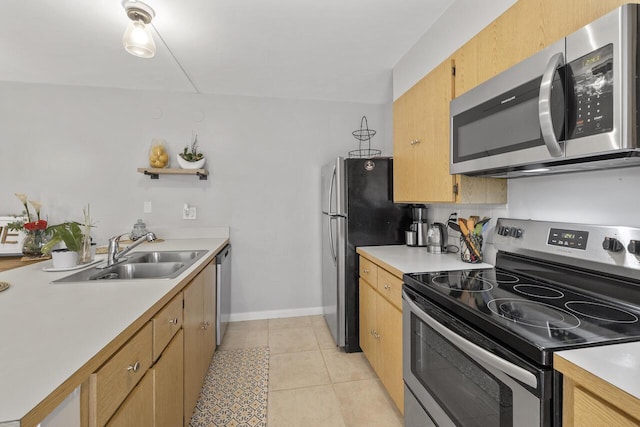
x,y
479,343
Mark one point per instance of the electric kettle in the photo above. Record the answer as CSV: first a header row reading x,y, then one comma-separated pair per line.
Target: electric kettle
x,y
437,238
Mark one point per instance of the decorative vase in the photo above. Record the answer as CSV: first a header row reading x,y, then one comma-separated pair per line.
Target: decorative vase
x,y
33,242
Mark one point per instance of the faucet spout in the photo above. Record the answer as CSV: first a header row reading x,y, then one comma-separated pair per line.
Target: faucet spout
x,y
114,256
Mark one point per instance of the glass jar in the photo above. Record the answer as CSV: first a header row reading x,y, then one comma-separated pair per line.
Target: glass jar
x,y
33,242
158,155
139,230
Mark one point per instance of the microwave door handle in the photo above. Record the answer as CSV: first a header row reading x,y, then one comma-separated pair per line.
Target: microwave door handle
x,y
472,349
544,105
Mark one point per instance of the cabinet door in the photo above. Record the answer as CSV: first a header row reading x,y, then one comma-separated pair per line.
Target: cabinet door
x,y
137,409
194,350
368,341
421,140
168,388
209,310
390,326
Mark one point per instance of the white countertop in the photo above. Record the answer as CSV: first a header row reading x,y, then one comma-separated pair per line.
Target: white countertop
x,y
617,364
48,332
408,259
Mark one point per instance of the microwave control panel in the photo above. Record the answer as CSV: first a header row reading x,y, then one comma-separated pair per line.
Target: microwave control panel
x,y
592,77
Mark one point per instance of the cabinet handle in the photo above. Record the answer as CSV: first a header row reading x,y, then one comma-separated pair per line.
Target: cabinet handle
x,y
173,321
366,271
414,141
205,325
135,367
386,286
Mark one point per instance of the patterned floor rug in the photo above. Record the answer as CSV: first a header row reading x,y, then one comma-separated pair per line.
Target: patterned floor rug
x,y
235,390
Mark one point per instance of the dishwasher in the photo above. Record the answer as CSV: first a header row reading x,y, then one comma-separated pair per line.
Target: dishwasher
x,y
223,297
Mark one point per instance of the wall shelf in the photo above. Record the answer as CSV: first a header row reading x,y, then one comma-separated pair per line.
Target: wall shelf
x,y
155,173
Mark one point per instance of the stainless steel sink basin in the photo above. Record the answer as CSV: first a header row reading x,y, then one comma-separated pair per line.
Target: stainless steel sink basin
x,y
129,271
140,265
164,256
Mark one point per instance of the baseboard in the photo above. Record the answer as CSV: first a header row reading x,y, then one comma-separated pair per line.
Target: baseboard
x,y
275,314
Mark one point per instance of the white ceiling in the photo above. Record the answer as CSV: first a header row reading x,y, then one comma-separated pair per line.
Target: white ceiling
x,y
340,50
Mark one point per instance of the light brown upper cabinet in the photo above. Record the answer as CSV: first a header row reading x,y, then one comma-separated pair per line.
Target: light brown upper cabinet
x,y
421,147
524,29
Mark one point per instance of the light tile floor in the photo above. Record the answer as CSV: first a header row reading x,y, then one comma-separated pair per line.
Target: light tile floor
x,y
312,383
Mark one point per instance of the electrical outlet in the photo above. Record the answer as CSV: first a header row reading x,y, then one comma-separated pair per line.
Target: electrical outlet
x,y
189,212
147,207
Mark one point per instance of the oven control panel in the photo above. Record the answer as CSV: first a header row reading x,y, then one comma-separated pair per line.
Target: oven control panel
x,y
568,238
609,249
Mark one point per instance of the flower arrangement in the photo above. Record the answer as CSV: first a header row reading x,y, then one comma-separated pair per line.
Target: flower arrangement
x,y
28,223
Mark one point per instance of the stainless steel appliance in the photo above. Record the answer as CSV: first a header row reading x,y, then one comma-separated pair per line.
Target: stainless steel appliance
x,y
357,210
419,226
478,344
570,107
223,285
437,238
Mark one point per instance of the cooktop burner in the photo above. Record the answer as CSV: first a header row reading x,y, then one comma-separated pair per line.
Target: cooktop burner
x,y
604,312
538,291
533,313
461,282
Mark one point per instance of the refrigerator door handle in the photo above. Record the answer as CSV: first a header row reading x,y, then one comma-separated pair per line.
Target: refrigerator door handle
x,y
333,252
333,180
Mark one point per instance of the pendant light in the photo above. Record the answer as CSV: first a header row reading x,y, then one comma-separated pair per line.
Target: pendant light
x,y
137,38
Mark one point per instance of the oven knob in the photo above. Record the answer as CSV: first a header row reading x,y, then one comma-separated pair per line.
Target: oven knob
x,y
612,244
634,247
504,231
515,232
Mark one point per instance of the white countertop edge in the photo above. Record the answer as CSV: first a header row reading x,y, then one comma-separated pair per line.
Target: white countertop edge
x,y
617,364
49,332
413,259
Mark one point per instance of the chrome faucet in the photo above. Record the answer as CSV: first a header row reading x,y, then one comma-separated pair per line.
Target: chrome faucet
x,y
113,256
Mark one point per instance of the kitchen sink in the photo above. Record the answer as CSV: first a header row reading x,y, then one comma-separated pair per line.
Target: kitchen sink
x,y
140,265
164,256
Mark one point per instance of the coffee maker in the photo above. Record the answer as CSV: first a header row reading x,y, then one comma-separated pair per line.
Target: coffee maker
x,y
417,235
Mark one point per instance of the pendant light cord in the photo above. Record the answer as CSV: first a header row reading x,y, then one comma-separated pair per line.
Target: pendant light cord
x,y
176,59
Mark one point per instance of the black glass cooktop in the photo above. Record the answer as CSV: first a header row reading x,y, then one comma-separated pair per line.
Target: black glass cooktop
x,y
533,316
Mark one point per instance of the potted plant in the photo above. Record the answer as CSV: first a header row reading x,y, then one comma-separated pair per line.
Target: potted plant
x,y
190,158
77,239
71,234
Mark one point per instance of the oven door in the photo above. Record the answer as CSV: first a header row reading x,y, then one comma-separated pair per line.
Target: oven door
x,y
458,382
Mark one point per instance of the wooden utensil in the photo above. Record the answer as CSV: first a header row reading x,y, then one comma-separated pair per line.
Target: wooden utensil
x,y
465,232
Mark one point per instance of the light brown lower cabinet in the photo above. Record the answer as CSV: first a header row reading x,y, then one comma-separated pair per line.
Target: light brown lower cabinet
x,y
381,326
199,334
168,377
137,409
154,379
588,401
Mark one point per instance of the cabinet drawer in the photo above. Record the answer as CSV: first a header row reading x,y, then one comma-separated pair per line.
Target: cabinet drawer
x,y
390,287
165,325
109,386
369,271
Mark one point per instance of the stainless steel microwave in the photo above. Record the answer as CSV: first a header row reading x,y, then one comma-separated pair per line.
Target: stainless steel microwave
x,y
570,107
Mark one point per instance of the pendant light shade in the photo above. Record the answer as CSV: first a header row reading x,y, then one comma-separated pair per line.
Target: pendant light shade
x,y
137,39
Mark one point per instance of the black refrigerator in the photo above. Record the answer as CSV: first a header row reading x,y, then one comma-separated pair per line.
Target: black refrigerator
x,y
357,210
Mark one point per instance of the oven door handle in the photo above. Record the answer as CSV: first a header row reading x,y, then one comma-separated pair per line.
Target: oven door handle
x,y
472,349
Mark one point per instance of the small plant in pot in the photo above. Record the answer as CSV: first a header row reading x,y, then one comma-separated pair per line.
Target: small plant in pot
x,y
71,234
191,158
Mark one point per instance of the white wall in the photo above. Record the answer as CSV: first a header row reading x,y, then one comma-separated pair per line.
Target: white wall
x,y
457,25
69,146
